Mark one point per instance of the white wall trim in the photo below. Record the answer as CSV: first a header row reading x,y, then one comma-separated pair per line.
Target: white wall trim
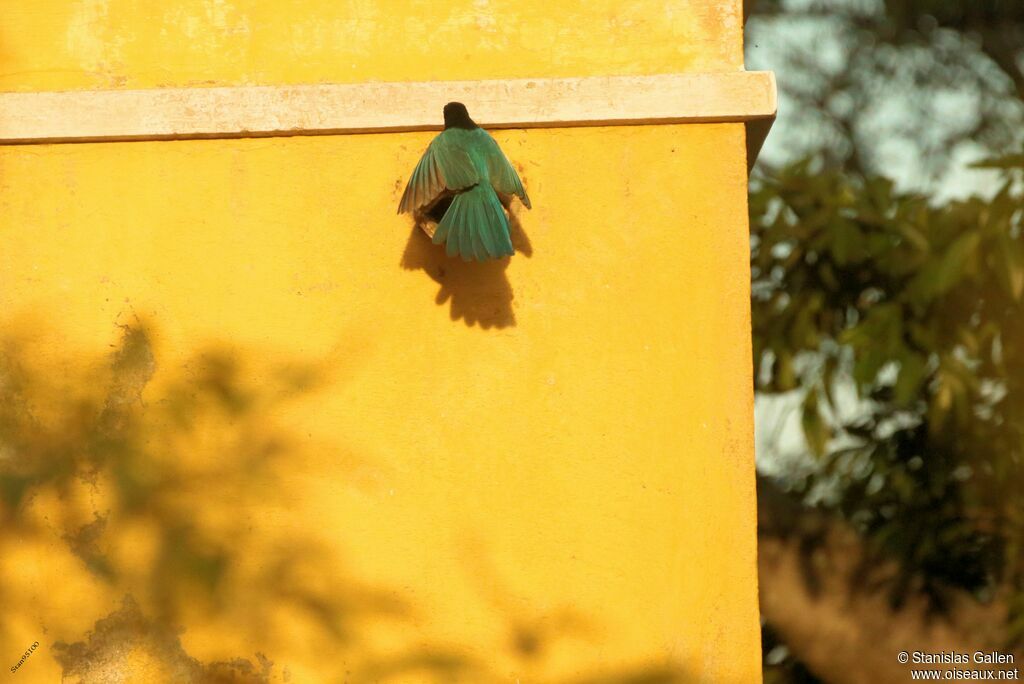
x,y
253,111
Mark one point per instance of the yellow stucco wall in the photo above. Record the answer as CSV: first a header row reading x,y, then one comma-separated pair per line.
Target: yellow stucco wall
x,y
283,423
73,44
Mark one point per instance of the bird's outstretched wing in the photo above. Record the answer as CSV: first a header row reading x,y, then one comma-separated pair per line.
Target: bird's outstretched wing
x,y
444,166
504,178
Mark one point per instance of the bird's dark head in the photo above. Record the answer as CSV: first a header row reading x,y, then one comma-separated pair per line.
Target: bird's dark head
x,y
456,116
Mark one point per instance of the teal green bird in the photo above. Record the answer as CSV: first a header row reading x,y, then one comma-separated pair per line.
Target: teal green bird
x,y
464,166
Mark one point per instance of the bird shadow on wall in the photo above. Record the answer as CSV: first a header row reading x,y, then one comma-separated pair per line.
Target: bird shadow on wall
x,y
478,292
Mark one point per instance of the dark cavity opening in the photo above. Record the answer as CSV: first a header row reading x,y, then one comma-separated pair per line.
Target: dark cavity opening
x,y
436,211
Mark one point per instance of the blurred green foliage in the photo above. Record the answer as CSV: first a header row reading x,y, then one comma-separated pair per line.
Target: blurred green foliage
x,y
902,324
873,84
894,317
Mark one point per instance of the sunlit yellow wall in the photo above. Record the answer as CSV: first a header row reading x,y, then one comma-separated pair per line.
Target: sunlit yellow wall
x,y
73,44
547,461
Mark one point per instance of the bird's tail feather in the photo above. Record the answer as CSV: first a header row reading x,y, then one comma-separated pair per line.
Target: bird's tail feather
x,y
475,226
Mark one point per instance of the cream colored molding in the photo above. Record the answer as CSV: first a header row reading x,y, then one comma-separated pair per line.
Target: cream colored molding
x,y
251,111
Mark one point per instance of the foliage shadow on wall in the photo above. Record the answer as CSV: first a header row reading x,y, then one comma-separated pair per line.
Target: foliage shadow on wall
x,y
142,482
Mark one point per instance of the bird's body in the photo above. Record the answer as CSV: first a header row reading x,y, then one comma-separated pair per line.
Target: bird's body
x,y
465,164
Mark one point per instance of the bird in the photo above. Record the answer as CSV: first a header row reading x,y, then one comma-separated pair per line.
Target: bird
x,y
464,167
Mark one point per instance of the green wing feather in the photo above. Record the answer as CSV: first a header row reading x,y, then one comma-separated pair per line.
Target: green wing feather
x,y
446,165
503,176
475,226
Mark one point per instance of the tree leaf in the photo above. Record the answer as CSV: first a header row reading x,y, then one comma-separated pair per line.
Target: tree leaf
x,y
1009,161
1010,266
908,382
816,430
